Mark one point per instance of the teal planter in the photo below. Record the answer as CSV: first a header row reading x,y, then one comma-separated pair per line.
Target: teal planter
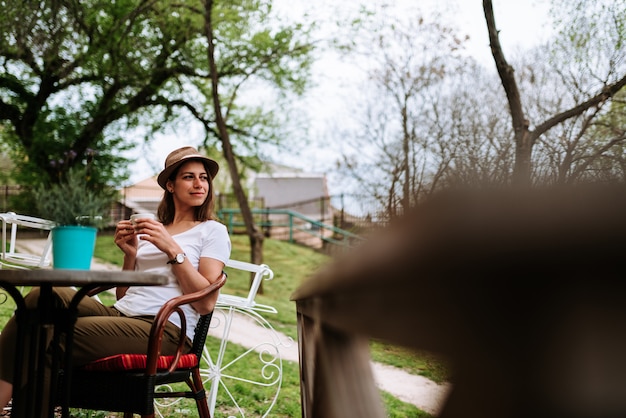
x,y
73,246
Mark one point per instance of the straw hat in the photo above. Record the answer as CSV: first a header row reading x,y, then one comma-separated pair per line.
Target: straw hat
x,y
182,155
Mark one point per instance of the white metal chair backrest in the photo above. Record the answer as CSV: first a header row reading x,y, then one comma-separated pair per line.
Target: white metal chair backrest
x,y
18,259
261,272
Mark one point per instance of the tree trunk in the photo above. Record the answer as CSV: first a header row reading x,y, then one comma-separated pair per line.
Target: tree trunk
x,y
406,164
522,167
255,235
524,138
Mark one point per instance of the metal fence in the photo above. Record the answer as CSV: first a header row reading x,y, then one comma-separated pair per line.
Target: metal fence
x,y
350,212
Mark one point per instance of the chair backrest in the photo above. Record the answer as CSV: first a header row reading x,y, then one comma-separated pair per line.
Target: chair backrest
x,y
16,258
261,272
200,334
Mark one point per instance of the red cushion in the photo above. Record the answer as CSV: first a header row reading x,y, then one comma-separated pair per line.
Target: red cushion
x,y
120,362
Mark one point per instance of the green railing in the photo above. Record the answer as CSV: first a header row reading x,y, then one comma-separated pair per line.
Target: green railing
x,y
293,222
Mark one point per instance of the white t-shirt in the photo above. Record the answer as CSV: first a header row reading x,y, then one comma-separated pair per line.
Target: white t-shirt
x,y
208,239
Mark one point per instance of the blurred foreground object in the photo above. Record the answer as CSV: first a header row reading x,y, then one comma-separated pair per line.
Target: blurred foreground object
x,y
524,292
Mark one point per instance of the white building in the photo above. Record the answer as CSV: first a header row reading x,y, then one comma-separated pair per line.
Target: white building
x,y
305,193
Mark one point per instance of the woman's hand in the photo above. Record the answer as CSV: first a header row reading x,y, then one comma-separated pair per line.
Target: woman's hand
x,y
126,238
154,231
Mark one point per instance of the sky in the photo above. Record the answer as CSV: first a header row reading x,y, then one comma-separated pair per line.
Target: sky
x,y
522,24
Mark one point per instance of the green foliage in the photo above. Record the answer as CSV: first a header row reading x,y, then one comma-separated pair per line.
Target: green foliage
x,y
53,58
590,33
257,50
80,75
74,201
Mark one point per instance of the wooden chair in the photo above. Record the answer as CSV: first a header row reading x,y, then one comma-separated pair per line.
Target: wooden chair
x,y
126,382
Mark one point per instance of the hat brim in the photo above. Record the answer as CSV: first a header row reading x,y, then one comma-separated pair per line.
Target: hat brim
x,y
164,175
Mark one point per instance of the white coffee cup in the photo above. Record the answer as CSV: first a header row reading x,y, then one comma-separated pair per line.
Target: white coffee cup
x,y
136,216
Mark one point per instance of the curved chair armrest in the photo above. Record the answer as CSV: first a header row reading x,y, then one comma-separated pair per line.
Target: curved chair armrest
x,y
260,272
162,317
99,289
181,341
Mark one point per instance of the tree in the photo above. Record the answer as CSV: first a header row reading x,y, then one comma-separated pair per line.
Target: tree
x,y
469,133
256,237
612,75
408,64
74,73
458,136
280,56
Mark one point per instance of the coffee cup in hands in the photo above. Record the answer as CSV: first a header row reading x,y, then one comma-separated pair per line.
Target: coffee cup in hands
x,y
137,216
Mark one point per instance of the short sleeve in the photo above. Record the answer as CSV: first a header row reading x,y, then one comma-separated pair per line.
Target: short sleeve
x,y
216,242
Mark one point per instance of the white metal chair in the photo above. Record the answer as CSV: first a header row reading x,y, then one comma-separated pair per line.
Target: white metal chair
x,y
261,272
228,310
216,370
10,256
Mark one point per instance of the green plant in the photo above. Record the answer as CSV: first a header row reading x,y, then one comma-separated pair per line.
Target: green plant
x,y
73,201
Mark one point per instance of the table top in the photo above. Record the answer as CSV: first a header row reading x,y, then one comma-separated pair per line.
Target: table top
x,y
61,277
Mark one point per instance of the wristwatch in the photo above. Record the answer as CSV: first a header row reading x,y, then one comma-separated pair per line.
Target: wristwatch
x,y
179,259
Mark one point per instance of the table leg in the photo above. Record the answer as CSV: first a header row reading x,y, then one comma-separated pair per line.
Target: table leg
x,y
43,375
35,328
29,361
39,330
66,325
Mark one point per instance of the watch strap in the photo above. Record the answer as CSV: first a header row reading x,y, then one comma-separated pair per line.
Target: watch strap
x,y
176,260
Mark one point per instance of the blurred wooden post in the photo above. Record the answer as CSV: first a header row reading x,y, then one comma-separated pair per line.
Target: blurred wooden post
x,y
522,291
335,371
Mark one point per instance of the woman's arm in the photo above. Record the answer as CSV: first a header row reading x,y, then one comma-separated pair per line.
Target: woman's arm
x,y
191,280
126,240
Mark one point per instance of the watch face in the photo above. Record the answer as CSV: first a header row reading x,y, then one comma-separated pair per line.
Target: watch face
x,y
180,258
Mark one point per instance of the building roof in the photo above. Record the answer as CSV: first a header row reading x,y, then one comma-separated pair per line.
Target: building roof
x,y
143,190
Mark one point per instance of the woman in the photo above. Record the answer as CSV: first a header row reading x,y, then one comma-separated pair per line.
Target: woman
x,y
187,244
